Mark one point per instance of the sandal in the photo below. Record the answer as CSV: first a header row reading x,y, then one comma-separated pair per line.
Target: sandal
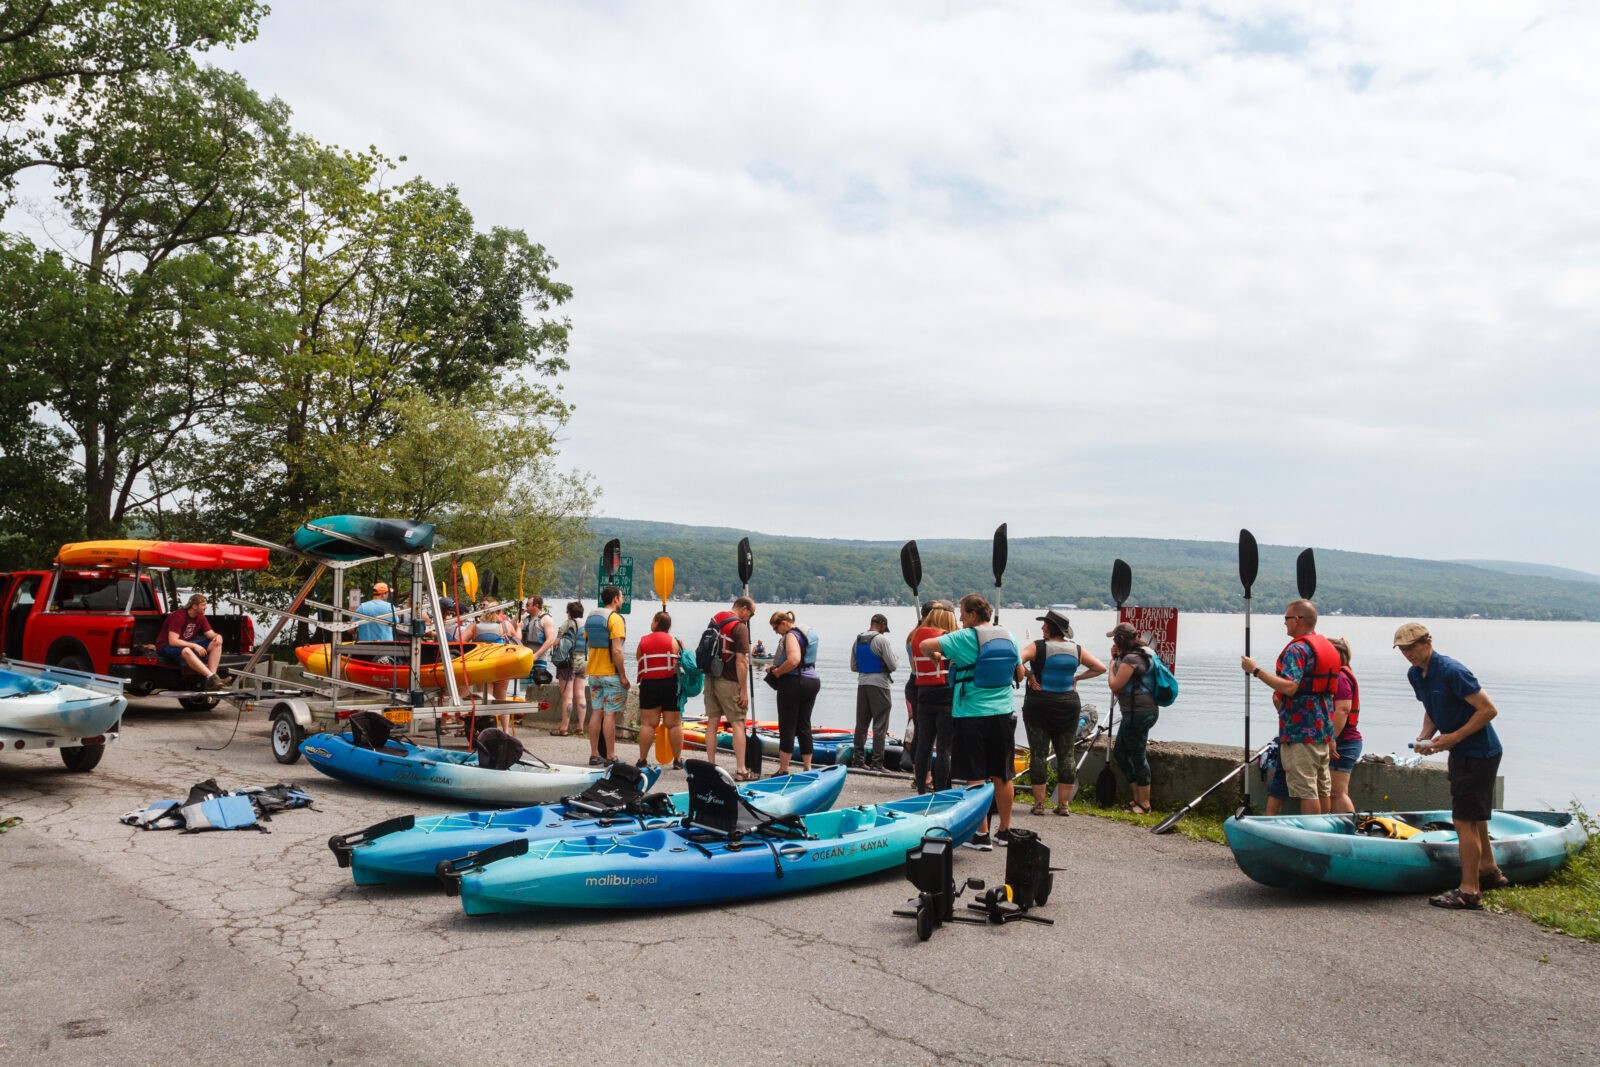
x,y
1037,809
1456,900
1497,880
747,776
1133,808
1063,811
559,733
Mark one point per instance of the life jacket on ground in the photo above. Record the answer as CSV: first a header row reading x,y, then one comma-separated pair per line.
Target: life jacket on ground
x,y
597,630
658,656
997,660
926,670
1322,674
1055,664
867,661
1355,699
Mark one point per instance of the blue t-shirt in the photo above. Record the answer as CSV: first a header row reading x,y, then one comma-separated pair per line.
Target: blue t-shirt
x,y
972,701
376,631
1443,692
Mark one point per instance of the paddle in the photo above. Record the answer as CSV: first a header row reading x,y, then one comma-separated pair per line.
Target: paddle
x,y
469,579
999,566
663,575
522,577
1105,783
1305,574
490,582
1249,566
911,569
752,743
1166,825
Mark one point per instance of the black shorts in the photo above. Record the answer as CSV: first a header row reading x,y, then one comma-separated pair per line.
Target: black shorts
x,y
659,693
1472,787
984,747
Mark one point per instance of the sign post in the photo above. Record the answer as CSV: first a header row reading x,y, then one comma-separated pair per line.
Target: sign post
x,y
623,580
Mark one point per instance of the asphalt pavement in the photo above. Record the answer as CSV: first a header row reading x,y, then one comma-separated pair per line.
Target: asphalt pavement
x,y
119,946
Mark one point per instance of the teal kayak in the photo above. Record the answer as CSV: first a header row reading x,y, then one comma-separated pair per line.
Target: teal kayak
x,y
1304,851
411,847
398,537
689,865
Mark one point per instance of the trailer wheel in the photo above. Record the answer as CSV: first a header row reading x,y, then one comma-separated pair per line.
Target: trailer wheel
x,y
197,703
286,736
80,759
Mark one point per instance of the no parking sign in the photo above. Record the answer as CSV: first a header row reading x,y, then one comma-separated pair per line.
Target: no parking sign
x,y
1159,627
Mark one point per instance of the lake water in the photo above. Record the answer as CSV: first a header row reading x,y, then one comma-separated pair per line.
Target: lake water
x,y
1539,674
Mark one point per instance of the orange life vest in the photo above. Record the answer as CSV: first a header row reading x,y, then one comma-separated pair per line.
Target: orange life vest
x,y
658,656
1322,674
925,669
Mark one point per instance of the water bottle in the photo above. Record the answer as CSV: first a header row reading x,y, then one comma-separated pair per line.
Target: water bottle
x,y
1412,760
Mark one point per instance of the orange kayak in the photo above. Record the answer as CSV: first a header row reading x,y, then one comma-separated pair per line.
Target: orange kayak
x,y
473,663
186,555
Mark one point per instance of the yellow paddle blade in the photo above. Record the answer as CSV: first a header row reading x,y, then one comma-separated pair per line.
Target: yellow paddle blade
x,y
469,579
522,596
664,577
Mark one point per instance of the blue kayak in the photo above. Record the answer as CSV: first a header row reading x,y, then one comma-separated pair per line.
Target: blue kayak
x,y
448,774
1304,851
398,537
695,865
411,847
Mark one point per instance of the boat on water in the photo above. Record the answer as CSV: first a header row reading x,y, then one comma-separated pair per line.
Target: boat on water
x,y
411,847
34,702
472,662
448,774
714,858
1357,851
398,537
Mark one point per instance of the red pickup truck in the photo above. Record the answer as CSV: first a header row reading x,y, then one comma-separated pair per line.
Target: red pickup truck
x,y
107,620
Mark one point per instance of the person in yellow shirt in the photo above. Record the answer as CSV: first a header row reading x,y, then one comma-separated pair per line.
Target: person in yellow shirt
x,y
604,633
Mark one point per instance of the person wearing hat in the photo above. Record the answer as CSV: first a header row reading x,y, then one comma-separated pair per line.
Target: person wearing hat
x,y
1455,719
1130,666
378,608
1051,708
874,660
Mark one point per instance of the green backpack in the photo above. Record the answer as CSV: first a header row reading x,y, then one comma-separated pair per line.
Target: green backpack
x,y
691,679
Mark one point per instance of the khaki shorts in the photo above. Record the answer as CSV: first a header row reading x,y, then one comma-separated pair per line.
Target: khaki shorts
x,y
722,700
1305,769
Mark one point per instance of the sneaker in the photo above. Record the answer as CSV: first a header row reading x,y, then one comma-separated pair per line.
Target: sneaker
x,y
212,681
642,764
1003,837
980,842
878,767
677,764
858,765
596,761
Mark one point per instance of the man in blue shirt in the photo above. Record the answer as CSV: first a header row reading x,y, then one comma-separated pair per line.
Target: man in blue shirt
x,y
377,608
1455,719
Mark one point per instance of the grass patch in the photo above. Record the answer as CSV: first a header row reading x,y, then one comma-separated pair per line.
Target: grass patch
x,y
1569,900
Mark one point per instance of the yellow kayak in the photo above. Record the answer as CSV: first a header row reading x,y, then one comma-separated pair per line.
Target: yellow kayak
x,y
474,663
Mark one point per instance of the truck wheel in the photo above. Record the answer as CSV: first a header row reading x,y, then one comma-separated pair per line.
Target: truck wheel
x,y
286,736
197,703
76,662
82,758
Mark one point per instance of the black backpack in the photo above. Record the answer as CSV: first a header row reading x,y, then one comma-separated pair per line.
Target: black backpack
x,y
708,652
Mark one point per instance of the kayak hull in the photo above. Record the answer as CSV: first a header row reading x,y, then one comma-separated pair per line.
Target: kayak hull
x,y
410,855
398,537
473,663
447,774
1306,851
36,706
660,868
187,555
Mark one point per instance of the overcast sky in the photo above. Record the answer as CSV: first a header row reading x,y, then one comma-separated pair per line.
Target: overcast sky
x,y
1329,271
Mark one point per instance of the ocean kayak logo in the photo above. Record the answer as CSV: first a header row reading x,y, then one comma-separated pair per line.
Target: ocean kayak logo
x,y
311,751
841,851
618,880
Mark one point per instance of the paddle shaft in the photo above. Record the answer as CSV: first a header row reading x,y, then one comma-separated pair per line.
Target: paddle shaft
x,y
1170,821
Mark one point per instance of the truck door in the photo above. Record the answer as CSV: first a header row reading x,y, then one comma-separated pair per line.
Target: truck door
x,y
19,604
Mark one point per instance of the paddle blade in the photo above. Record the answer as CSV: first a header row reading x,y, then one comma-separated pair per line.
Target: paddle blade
x,y
490,583
747,562
1105,787
1249,561
663,577
611,556
1165,825
999,553
469,579
1305,574
1121,581
752,751
911,566
663,745
522,577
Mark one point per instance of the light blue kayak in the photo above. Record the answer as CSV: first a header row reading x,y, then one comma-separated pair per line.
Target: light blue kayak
x,y
411,847
393,536
682,867
448,774
1302,851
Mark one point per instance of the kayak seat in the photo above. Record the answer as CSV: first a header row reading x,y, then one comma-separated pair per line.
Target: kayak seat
x,y
368,729
718,812
611,794
496,750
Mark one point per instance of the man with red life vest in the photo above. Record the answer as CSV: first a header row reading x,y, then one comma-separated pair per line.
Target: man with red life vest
x,y
1303,685
727,693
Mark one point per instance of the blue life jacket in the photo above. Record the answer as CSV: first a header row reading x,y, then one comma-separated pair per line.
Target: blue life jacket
x,y
1055,664
597,630
808,648
868,661
491,636
997,660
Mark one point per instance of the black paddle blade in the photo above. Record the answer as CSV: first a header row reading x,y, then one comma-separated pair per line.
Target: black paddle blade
x,y
911,566
1305,574
1121,581
1105,786
611,556
752,752
489,583
1249,561
1165,825
999,553
747,563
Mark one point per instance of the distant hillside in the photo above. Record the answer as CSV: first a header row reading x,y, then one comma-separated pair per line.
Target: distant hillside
x,y
1536,570
1191,575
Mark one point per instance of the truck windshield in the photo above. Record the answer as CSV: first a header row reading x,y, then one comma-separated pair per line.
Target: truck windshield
x,y
101,594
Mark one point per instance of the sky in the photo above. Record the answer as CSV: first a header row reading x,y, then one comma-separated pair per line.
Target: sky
x,y
891,270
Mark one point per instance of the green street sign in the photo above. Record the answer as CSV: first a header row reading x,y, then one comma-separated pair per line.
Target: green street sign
x,y
623,580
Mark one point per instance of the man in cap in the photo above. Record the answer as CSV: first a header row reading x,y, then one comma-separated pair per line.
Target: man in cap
x,y
1455,719
874,660
380,609
1303,686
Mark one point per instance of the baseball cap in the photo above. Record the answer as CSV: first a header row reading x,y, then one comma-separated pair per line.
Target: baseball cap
x,y
380,587
1410,633
1122,629
880,619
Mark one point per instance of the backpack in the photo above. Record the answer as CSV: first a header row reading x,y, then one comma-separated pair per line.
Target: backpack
x,y
714,639
1159,680
567,653
691,679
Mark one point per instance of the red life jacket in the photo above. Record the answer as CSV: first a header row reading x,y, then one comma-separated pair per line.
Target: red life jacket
x,y
1355,700
1322,674
925,669
658,656
725,621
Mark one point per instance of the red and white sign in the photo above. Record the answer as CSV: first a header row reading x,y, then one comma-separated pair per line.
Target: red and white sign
x,y
1159,628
